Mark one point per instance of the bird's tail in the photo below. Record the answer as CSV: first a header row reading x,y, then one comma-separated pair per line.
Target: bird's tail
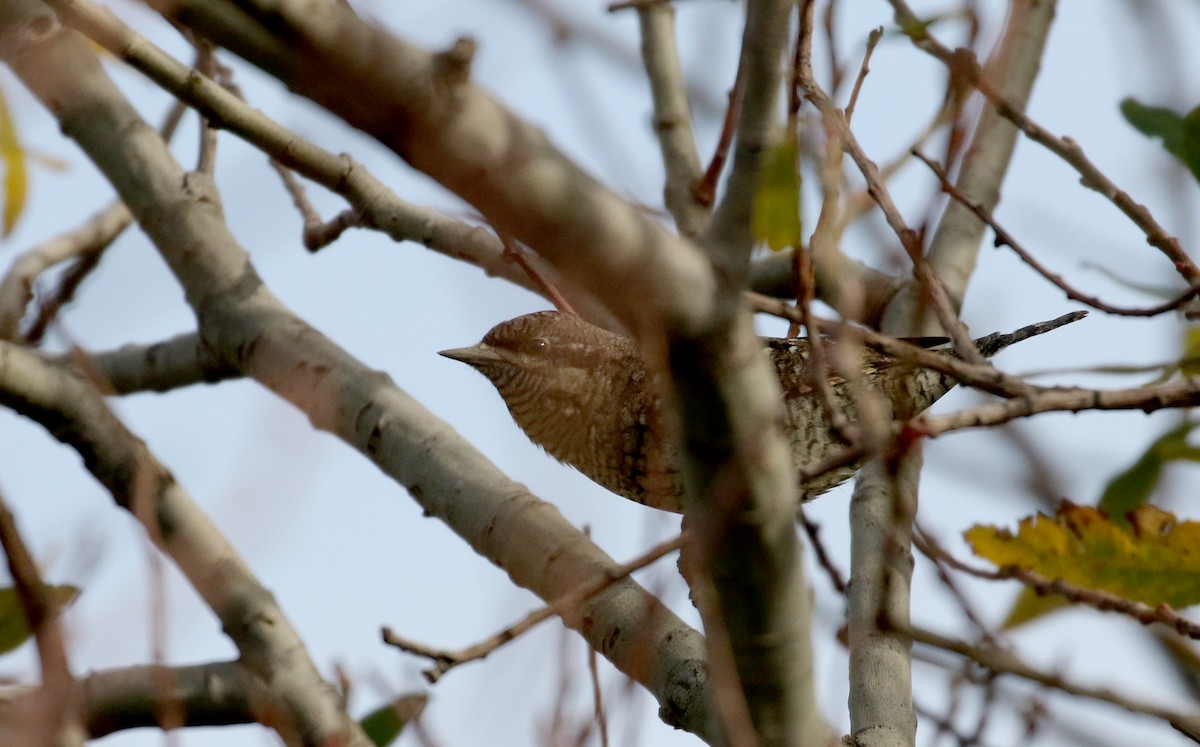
x,y
998,341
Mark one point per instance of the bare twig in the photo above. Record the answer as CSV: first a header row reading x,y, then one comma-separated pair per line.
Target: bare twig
x,y
706,189
1004,238
86,244
931,285
962,63
1005,662
932,550
980,376
804,273
872,40
378,206
813,531
597,698
444,661
1183,393
514,252
109,701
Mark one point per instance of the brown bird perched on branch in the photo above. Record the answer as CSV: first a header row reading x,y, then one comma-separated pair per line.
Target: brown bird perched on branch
x,y
584,395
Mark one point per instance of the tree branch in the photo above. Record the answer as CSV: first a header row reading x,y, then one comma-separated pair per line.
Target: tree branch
x,y
672,118
74,413
214,694
250,330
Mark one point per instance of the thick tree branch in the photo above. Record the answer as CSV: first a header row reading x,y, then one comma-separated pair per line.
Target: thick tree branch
x,y
115,700
372,203
425,108
672,118
73,411
246,327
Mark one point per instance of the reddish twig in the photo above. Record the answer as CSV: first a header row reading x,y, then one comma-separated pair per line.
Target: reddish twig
x,y
706,189
514,252
962,63
1004,238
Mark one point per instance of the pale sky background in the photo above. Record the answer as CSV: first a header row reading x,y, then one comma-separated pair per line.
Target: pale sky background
x,y
346,551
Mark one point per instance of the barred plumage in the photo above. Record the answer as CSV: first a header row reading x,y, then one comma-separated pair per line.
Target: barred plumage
x,y
583,395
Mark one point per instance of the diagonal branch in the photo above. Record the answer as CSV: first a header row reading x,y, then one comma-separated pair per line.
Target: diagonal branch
x,y
74,412
248,329
672,117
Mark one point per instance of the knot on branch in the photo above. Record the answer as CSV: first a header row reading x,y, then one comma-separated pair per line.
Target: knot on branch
x,y
452,67
24,25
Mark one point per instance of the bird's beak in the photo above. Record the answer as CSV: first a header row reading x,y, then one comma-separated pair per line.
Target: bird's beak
x,y
474,356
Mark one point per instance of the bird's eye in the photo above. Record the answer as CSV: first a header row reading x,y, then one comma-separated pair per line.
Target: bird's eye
x,y
539,343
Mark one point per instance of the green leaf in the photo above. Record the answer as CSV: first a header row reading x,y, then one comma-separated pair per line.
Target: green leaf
x,y
776,218
1134,486
14,627
16,175
384,724
1154,560
1180,135
1190,148
1155,121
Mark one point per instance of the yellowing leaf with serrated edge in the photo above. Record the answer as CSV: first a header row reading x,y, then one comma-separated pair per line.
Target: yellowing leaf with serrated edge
x,y
776,217
16,177
1156,560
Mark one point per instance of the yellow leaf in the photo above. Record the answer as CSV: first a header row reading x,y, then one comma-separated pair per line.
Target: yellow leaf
x,y
16,176
1155,560
1030,605
1189,365
776,218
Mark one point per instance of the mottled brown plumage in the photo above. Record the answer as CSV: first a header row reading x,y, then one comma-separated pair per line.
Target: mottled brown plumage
x,y
583,395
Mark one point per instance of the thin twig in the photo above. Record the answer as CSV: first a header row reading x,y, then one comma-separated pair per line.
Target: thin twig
x,y
1095,598
1005,662
514,252
872,39
597,698
38,605
931,285
813,531
205,65
804,277
444,660
672,117
379,207
1176,394
706,189
930,548
86,244
962,63
1004,238
983,376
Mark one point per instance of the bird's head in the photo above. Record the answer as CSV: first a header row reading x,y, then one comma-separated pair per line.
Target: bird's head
x,y
548,355
541,339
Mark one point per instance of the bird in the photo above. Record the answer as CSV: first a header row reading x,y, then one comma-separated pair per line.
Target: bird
x,y
585,396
